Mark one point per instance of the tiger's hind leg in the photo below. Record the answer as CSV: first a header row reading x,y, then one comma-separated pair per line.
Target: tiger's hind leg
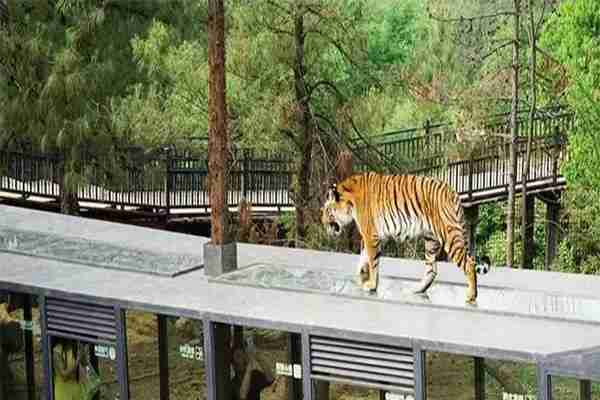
x,y
433,248
362,268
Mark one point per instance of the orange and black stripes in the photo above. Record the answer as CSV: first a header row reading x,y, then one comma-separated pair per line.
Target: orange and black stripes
x,y
398,202
402,207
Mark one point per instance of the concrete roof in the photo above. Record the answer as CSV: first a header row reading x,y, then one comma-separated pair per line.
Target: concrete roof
x,y
502,326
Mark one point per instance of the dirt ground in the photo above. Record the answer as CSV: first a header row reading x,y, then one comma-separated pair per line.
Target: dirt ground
x,y
450,377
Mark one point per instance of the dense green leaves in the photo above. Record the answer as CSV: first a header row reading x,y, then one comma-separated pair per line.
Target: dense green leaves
x,y
573,37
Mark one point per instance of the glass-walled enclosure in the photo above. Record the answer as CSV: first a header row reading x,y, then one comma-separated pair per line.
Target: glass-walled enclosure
x,y
83,370
21,373
266,364
251,363
165,357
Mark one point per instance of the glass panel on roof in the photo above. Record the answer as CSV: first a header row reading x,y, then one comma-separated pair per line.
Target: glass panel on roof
x,y
96,253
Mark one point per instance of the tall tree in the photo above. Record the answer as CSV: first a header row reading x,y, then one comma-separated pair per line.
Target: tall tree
x,y
305,125
218,167
55,60
514,133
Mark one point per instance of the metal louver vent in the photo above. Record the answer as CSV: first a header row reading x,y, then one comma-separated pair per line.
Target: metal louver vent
x,y
88,322
365,364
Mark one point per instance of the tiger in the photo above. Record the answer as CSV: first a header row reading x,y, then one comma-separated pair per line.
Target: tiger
x,y
401,207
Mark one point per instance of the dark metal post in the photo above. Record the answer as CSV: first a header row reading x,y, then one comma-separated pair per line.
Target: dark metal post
x,y
544,384
552,229
585,390
163,357
94,365
427,131
168,181
528,241
122,362
479,378
470,177
216,358
294,357
307,386
28,336
555,158
46,351
245,174
420,362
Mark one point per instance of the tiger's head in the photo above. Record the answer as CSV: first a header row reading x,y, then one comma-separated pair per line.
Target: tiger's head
x,y
338,210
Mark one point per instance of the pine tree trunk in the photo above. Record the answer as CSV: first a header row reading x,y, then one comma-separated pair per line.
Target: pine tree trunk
x,y
217,122
304,122
510,215
526,258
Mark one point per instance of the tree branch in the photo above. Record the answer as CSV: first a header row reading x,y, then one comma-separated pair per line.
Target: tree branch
x,y
463,19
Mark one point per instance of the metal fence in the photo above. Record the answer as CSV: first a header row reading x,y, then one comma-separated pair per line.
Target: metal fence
x,y
167,181
424,147
489,175
163,182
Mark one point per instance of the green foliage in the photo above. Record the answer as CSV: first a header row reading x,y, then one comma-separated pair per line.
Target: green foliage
x,y
170,103
579,251
491,234
393,32
572,35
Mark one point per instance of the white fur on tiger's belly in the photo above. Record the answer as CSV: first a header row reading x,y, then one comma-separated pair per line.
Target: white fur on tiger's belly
x,y
399,229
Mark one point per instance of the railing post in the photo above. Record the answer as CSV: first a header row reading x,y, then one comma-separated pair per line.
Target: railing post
x,y
244,174
557,146
427,131
470,177
168,171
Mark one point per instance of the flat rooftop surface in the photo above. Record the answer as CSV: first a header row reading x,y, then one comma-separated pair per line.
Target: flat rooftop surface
x,y
529,303
521,315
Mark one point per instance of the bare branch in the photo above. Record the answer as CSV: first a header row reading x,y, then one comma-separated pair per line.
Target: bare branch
x,y
471,18
494,50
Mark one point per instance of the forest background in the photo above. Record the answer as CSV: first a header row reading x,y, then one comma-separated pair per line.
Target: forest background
x,y
303,78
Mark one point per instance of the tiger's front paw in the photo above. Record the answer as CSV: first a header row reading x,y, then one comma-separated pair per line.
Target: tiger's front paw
x,y
369,286
471,296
